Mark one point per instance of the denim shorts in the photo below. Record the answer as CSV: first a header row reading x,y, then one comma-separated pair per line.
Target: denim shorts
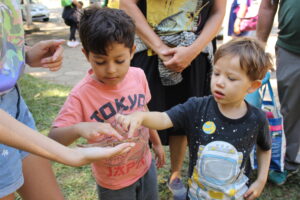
x,y
143,189
11,176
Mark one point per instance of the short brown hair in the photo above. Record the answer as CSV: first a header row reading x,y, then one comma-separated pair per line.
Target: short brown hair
x,y
100,27
252,56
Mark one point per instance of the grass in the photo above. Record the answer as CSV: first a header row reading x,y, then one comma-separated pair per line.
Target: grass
x,y
45,99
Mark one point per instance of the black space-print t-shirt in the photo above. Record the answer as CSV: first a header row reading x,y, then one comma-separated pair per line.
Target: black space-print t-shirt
x,y
203,123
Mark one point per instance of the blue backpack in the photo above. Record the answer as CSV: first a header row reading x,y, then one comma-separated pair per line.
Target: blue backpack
x,y
255,98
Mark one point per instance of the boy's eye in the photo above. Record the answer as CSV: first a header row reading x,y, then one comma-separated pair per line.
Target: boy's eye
x,y
100,63
216,73
120,61
231,79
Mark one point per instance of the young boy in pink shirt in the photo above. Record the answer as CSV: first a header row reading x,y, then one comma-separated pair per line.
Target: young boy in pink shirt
x,y
111,86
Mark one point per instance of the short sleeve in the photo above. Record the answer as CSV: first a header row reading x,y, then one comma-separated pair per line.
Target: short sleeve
x,y
264,140
71,113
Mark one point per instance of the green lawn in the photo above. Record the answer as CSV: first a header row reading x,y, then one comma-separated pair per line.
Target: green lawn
x,y
45,99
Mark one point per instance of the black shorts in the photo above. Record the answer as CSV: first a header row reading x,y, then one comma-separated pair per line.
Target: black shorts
x,y
196,82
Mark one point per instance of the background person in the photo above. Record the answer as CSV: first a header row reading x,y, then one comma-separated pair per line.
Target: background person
x,y
287,74
241,9
71,15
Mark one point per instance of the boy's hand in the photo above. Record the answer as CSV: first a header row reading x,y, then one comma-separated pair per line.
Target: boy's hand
x,y
92,130
129,123
160,155
47,54
255,190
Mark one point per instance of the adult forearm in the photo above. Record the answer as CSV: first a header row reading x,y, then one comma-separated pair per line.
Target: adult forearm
x,y
211,27
266,15
143,29
16,134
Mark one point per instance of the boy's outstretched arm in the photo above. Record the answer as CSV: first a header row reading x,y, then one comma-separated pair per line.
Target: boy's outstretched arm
x,y
16,134
88,130
152,120
256,188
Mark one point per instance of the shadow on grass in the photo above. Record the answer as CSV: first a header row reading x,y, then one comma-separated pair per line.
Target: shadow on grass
x,y
43,99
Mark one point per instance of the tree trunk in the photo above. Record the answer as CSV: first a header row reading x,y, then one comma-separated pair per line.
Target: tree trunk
x,y
28,13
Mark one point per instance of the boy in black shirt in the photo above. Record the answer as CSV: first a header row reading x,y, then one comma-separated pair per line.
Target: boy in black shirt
x,y
222,129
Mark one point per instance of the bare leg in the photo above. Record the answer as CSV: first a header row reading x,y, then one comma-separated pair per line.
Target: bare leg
x,y
8,197
39,180
177,152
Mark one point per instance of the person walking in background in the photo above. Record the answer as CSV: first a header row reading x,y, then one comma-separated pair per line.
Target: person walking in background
x,y
174,48
111,86
71,15
241,10
222,128
29,175
287,74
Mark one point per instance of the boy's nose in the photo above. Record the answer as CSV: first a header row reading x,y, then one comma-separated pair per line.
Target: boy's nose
x,y
111,69
220,82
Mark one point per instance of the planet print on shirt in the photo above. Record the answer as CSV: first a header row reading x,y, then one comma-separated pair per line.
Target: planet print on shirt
x,y
209,127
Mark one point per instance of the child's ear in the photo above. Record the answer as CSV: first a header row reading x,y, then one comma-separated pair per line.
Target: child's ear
x,y
86,54
132,51
254,86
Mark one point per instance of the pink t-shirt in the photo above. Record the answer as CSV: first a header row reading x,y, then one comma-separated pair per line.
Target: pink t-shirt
x,y
92,101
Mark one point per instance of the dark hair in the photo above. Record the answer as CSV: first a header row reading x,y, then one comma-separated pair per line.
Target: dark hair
x,y
100,27
252,56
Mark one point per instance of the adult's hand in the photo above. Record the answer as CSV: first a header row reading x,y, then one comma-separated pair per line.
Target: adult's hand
x,y
47,54
91,154
181,58
162,53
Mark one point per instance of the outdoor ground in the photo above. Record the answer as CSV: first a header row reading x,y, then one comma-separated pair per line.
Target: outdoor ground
x,y
46,91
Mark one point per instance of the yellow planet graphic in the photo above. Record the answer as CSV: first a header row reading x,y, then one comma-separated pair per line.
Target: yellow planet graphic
x,y
209,127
